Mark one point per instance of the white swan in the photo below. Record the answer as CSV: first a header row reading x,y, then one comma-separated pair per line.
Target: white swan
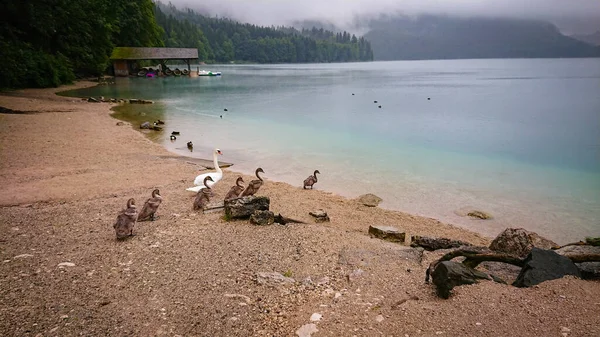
x,y
216,176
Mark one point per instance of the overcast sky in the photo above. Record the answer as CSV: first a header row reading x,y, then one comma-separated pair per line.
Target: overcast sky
x,y
572,16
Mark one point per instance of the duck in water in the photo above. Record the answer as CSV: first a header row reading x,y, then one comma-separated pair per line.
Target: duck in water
x,y
203,196
235,190
190,145
254,185
126,220
150,207
311,180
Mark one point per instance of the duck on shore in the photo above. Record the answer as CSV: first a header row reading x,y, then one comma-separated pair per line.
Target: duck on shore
x,y
311,180
126,220
203,196
254,185
190,145
150,207
235,190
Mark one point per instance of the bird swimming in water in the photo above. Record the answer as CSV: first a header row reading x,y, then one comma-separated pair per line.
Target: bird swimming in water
x,y
311,180
126,220
190,145
175,133
254,185
224,109
203,196
173,137
159,122
235,190
374,101
150,207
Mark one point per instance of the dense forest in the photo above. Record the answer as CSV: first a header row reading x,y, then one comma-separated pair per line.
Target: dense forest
x,y
225,40
46,43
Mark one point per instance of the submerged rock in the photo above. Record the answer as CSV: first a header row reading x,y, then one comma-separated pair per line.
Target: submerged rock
x,y
370,200
479,214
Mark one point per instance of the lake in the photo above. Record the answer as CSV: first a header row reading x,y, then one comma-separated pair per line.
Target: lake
x,y
517,138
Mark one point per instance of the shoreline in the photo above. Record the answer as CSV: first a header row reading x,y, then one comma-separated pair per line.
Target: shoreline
x,y
68,170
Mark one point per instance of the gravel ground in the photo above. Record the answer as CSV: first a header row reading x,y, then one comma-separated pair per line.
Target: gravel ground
x,y
68,169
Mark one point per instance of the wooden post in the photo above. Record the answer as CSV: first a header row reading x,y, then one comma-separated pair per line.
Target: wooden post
x,y
189,69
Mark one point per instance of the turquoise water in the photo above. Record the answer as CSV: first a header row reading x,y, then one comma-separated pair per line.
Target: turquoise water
x,y
519,139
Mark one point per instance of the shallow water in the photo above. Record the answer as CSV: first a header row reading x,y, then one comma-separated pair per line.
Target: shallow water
x,y
519,139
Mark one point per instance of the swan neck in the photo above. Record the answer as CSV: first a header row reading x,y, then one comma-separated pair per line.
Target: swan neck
x,y
216,162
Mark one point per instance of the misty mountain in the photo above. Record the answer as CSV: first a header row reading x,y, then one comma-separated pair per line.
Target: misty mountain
x,y
593,39
443,37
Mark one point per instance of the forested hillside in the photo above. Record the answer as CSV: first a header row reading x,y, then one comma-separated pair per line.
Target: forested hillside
x,y
228,40
49,42
444,37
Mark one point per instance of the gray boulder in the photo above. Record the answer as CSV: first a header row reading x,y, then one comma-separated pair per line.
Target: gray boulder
x,y
145,125
262,218
449,274
387,233
242,208
370,200
589,270
320,216
519,242
544,265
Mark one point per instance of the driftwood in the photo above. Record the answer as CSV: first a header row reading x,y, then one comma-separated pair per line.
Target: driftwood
x,y
587,242
284,221
474,256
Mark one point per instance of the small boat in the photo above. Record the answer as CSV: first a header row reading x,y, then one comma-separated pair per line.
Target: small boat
x,y
208,73
168,72
142,73
177,72
185,72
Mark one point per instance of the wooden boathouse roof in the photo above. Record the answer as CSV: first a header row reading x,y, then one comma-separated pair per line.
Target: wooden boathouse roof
x,y
135,53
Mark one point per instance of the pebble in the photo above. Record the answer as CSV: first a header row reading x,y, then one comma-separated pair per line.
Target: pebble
x,y
66,264
478,324
337,295
564,329
315,317
379,318
306,330
22,256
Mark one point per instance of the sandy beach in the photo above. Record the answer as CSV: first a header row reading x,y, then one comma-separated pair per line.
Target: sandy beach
x,y
67,169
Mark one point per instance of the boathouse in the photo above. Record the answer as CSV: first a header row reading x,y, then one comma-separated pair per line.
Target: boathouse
x,y
125,58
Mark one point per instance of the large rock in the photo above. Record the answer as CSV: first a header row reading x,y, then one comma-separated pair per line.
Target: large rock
x,y
431,244
589,256
387,233
519,242
589,270
449,274
320,216
262,218
370,200
579,253
544,265
242,208
145,125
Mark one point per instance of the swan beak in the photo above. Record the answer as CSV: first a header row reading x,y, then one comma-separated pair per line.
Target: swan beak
x,y
219,152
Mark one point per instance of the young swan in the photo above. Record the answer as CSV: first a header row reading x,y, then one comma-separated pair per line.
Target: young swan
x,y
254,185
235,190
126,220
311,180
150,207
203,196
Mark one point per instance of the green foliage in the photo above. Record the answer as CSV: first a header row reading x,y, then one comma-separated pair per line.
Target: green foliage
x,y
45,43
